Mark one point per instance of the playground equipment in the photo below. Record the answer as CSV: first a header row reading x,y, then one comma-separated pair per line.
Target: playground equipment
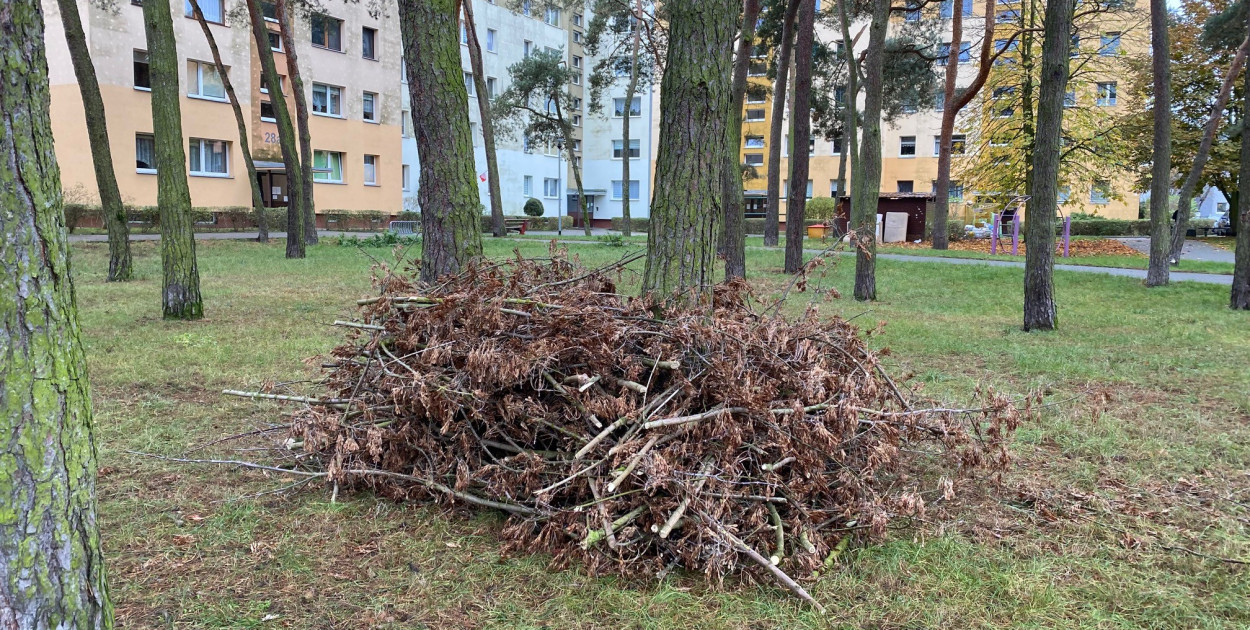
x,y
1011,212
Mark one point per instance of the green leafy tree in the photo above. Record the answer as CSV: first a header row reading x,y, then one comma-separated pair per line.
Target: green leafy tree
x,y
534,207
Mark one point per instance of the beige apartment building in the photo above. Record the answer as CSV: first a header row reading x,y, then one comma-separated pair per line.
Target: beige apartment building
x,y
351,66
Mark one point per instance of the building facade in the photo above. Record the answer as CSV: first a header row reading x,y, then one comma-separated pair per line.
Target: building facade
x,y
350,64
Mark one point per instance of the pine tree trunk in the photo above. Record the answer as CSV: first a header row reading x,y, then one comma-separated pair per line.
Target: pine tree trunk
x,y
287,139
1161,170
866,181
627,228
772,213
1039,221
796,205
51,565
286,28
1240,295
1184,206
448,196
734,241
850,142
112,210
695,101
258,203
488,124
181,293
1026,90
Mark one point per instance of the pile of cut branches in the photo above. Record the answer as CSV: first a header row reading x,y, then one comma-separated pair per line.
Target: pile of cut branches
x,y
635,435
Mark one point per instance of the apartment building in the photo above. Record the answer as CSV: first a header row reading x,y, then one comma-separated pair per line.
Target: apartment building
x,y
350,64
544,172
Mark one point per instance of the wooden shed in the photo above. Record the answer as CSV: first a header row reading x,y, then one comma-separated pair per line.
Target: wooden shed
x,y
916,205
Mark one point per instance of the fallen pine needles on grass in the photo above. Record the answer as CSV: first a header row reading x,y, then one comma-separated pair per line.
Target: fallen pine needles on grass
x,y
633,434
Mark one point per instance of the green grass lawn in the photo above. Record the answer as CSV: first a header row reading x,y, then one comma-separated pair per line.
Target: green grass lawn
x,y
1146,447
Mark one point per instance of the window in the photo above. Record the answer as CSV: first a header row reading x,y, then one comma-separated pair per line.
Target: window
x,y
577,145
143,74
1004,92
468,83
913,13
836,145
577,19
527,7
1106,94
552,16
1100,193
528,48
635,148
1007,17
371,170
1004,47
264,84
635,107
577,61
369,43
577,78
269,10
618,189
145,153
1110,44
1006,112
491,35
327,32
327,100
212,9
369,107
577,37
551,188
958,143
939,100
266,112
754,142
786,185
1069,98
1065,193
203,81
275,41
328,167
404,173
527,186
907,146
753,159
755,115
577,120
209,158
906,185
577,103
756,99
956,192
947,8
491,87
757,67
405,123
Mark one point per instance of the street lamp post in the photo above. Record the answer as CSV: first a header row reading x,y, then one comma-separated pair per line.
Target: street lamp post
x,y
559,199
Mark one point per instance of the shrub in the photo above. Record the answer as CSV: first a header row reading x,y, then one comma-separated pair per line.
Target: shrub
x,y
822,209
534,207
612,240
76,212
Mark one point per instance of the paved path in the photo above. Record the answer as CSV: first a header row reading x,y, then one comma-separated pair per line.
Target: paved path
x,y
1193,250
1176,276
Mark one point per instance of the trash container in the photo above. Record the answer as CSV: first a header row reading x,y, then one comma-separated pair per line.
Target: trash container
x,y
820,230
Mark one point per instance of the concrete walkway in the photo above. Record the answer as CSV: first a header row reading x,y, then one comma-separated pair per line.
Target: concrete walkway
x,y
1192,250
1176,276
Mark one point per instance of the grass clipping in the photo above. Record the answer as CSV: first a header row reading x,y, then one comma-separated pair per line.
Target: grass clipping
x,y
633,435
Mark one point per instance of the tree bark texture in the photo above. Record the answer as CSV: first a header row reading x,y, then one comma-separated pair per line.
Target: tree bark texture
x,y
488,124
286,28
734,241
1190,186
1039,220
695,102
772,214
631,88
258,203
112,209
866,177
796,205
1240,295
440,111
953,105
180,296
850,137
288,141
1161,170
51,566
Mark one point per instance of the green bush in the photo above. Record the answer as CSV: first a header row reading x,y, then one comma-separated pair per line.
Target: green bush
x,y
76,212
534,207
612,240
381,239
636,225
822,209
408,215
1110,227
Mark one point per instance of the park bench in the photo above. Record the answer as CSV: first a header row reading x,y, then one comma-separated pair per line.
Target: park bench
x,y
515,225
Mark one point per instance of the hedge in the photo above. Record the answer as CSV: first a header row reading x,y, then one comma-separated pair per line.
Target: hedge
x,y
749,226
1122,227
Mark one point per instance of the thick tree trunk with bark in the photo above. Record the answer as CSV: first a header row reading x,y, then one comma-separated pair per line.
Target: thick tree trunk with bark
x,y
695,102
772,214
1161,170
1039,221
51,566
796,205
866,180
488,123
258,203
631,88
734,241
448,196
1190,186
1240,295
112,209
181,293
850,143
954,104
287,139
286,28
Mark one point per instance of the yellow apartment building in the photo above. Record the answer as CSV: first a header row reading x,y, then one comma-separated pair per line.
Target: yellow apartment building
x,y
350,64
